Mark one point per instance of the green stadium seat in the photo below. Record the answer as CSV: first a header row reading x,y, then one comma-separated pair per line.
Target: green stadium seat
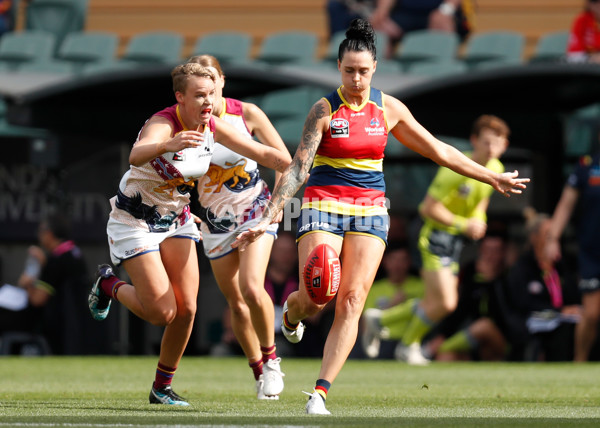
x,y
17,48
551,47
82,48
288,47
290,131
154,47
292,103
494,46
227,46
495,63
437,68
386,66
108,67
426,46
47,67
58,17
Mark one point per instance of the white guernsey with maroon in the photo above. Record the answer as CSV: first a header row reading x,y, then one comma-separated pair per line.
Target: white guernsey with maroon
x,y
152,202
232,194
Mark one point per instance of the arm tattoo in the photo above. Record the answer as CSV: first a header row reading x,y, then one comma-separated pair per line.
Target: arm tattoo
x,y
293,177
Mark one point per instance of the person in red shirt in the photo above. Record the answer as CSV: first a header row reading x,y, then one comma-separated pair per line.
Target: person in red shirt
x,y
584,39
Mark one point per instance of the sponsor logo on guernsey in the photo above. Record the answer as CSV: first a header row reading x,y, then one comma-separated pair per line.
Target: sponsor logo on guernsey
x,y
314,225
374,128
340,128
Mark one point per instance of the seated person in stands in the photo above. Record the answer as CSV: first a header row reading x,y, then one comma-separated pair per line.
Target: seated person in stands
x,y
398,285
544,296
476,330
584,38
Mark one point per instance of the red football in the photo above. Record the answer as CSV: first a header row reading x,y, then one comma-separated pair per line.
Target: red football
x,y
322,272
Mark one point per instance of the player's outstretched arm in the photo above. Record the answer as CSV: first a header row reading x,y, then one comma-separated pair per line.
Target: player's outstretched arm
x,y
414,136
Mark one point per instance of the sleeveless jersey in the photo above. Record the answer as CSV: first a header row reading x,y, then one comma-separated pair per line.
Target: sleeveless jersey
x,y
232,191
347,172
155,195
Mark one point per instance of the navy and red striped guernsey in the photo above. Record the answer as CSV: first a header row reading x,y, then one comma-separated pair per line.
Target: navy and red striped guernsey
x,y
347,172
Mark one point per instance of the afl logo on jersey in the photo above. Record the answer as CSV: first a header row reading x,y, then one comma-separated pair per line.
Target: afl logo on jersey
x,y
340,128
179,156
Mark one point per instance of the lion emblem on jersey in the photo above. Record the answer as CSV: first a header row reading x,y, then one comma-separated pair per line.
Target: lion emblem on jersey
x,y
231,176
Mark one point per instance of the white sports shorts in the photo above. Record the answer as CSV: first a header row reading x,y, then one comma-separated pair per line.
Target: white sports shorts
x,y
126,242
219,244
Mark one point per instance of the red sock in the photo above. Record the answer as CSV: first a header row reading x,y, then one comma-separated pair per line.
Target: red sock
x,y
322,387
268,353
164,376
256,367
111,285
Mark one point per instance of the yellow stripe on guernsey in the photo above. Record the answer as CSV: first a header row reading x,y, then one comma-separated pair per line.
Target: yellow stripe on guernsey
x,y
342,208
360,164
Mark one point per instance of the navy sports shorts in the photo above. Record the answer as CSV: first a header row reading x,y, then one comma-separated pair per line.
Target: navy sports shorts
x,y
312,220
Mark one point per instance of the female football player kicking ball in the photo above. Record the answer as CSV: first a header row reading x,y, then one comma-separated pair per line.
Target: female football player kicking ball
x,y
344,206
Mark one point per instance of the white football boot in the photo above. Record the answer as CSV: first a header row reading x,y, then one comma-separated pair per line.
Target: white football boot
x,y
316,404
272,377
260,393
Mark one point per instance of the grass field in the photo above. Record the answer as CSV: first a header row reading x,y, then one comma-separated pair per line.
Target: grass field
x,y
109,391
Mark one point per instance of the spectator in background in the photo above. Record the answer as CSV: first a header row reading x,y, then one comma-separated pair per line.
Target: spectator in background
x,y
340,13
6,16
54,279
398,286
584,184
584,38
477,327
398,17
544,298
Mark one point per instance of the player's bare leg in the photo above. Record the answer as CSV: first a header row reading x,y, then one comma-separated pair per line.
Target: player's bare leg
x,y
165,293
360,258
226,274
253,267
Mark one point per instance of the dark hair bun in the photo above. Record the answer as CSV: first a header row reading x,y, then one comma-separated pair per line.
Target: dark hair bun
x,y
361,29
